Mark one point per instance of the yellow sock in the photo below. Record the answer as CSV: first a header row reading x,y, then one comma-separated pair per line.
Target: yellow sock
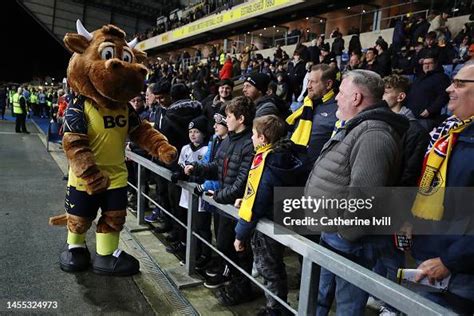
x,y
107,243
75,239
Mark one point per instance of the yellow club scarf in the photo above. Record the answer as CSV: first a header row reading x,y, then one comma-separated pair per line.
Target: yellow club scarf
x,y
429,202
253,181
304,117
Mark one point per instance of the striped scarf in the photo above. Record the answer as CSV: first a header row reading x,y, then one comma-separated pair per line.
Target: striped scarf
x,y
304,118
429,202
253,181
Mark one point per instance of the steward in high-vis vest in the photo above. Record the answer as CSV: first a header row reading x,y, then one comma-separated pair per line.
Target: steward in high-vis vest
x,y
222,59
19,110
34,102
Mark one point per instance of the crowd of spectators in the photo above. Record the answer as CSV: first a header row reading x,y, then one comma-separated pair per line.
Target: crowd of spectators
x,y
402,91
319,120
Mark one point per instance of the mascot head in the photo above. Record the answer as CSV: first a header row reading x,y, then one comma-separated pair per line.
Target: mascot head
x,y
104,67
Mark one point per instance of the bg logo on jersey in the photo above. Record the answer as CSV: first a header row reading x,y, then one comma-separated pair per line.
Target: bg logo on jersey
x,y
111,122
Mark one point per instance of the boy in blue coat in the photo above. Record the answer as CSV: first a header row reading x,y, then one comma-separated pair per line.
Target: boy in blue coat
x,y
274,165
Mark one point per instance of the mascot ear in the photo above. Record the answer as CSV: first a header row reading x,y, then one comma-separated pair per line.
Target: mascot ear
x,y
140,56
76,43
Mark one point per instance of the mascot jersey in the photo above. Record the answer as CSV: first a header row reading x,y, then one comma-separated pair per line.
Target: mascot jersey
x,y
107,130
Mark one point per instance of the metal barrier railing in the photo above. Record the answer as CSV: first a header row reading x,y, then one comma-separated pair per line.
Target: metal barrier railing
x,y
314,255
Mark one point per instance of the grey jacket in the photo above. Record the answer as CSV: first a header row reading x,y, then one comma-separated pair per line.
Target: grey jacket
x,y
366,152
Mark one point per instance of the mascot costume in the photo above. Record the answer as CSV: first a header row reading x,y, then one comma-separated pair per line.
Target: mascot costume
x,y
106,72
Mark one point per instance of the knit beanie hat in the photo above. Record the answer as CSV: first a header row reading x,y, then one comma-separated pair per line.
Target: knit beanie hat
x,y
199,123
259,81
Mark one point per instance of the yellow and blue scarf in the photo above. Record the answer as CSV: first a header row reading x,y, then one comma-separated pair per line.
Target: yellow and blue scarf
x,y
429,202
253,181
304,118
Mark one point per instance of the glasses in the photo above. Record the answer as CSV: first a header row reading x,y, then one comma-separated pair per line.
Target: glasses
x,y
458,83
219,119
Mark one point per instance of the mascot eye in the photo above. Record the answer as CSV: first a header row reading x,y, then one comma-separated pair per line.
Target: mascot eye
x,y
126,56
107,53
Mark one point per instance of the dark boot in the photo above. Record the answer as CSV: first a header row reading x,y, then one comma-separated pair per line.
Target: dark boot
x,y
123,265
75,259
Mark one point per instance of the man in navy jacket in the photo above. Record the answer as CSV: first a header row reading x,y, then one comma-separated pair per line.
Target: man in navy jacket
x,y
453,254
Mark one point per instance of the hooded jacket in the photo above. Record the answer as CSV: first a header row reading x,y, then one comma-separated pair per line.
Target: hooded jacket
x,y
282,169
269,104
365,152
175,121
415,142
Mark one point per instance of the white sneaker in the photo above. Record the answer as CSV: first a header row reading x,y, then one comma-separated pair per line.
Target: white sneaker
x,y
384,311
374,303
255,273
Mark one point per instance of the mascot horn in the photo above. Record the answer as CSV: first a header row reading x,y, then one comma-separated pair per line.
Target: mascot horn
x,y
106,73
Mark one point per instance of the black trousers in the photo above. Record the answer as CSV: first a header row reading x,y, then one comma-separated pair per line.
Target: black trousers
x,y
20,123
225,243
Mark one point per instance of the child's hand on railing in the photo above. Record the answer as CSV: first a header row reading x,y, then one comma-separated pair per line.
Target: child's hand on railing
x,y
188,170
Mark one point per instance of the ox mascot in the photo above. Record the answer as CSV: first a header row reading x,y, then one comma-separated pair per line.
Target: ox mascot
x,y
106,72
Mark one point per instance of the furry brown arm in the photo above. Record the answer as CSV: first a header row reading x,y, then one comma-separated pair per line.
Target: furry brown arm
x,y
82,163
154,142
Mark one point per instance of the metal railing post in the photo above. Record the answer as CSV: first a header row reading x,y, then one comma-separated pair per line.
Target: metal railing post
x,y
309,287
140,197
191,241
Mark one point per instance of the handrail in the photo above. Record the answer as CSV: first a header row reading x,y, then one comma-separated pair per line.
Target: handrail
x,y
313,254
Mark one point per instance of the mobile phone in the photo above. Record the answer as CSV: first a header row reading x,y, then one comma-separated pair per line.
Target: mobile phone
x,y
402,242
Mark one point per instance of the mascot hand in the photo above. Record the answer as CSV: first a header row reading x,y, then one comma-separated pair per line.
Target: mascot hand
x,y
166,153
97,182
154,142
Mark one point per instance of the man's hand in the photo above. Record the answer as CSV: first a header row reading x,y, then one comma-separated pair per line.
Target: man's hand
x,y
433,269
425,113
188,170
239,245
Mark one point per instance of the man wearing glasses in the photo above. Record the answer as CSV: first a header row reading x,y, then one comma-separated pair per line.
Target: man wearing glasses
x,y
444,254
427,95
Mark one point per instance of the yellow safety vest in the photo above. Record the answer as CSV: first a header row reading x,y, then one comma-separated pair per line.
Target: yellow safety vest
x,y
16,103
222,59
33,98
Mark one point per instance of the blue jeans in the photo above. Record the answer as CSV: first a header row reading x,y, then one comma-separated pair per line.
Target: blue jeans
x,y
349,298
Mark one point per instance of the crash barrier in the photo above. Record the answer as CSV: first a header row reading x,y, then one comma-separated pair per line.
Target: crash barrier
x,y
314,255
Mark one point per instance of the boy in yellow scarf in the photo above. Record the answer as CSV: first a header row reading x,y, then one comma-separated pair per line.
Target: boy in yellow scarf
x,y
274,165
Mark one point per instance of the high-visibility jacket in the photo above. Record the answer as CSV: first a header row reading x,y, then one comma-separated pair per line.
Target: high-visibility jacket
x,y
222,59
33,98
16,103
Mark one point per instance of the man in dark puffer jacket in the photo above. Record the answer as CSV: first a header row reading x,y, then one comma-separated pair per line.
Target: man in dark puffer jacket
x,y
231,167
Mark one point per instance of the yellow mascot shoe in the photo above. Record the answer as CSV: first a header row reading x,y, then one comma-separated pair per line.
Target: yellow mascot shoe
x,y
112,261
